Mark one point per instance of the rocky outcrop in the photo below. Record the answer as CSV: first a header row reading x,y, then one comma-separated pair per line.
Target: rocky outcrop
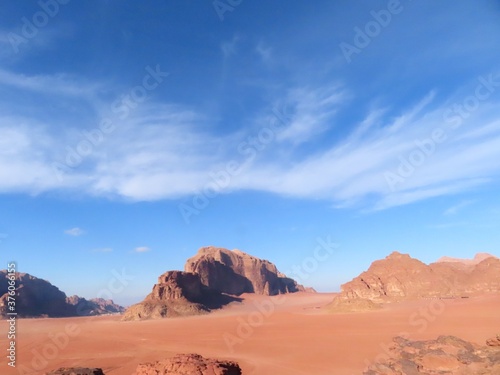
x,y
235,272
189,364
34,297
446,355
177,293
494,341
95,306
39,298
212,279
76,371
400,277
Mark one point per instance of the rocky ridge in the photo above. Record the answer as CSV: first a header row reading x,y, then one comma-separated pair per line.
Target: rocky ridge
x,y
94,306
36,297
399,277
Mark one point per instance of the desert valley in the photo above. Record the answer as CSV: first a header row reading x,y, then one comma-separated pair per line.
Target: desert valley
x,y
231,313
249,187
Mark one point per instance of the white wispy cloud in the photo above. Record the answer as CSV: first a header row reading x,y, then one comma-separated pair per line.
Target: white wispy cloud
x,y
312,111
165,150
74,232
142,249
62,84
453,210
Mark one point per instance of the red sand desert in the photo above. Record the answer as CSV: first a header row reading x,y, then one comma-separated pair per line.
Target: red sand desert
x,y
292,335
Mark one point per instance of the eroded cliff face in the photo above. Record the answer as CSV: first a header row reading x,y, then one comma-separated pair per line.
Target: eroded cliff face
x,y
399,277
235,272
34,297
177,293
211,279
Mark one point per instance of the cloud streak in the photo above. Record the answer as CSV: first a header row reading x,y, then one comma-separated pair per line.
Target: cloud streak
x,y
167,150
75,232
142,249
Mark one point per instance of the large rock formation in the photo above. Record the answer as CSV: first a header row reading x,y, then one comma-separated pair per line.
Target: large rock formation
x,y
94,306
211,279
235,272
446,355
177,294
39,298
34,297
400,277
189,364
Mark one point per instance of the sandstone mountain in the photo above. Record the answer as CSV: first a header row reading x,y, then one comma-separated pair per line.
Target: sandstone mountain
x,y
445,355
212,279
34,297
189,364
37,298
235,272
177,293
400,277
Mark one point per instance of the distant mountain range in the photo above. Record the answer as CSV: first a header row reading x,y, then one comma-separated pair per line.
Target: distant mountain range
x,y
215,277
38,298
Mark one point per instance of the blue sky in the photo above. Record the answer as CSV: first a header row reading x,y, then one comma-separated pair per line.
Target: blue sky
x,y
131,134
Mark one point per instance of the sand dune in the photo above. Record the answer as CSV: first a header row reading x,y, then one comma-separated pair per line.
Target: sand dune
x,y
288,334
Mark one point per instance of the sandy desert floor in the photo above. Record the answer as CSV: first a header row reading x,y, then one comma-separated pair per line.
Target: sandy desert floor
x,y
267,335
